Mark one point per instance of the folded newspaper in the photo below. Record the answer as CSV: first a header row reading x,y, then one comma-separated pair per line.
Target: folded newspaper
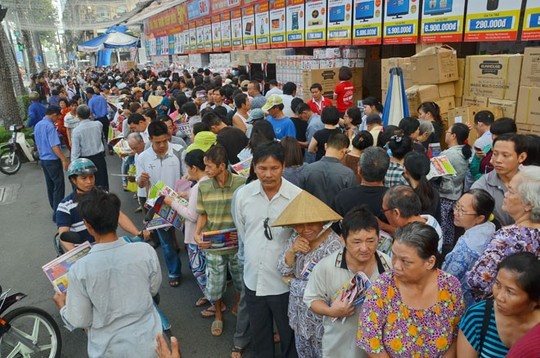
x,y
221,239
57,270
354,291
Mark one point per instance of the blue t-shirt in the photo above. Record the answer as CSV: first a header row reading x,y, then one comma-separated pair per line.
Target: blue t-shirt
x,y
68,215
36,112
98,106
46,138
283,127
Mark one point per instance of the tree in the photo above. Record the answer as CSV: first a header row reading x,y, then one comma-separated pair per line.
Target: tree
x,y
9,108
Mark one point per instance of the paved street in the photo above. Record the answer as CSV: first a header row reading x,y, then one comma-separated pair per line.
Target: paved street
x,y
26,232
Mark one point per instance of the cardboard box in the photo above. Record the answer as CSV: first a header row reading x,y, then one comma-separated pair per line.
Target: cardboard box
x,y
528,106
528,129
446,89
508,107
434,65
461,67
458,87
418,94
459,101
329,78
446,104
494,76
477,101
403,62
466,115
530,72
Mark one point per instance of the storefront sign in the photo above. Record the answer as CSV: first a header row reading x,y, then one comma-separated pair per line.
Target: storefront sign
x,y
295,23
248,30
339,22
367,22
198,8
223,5
316,23
216,33
401,21
262,25
165,23
277,24
531,21
492,20
236,29
442,21
225,31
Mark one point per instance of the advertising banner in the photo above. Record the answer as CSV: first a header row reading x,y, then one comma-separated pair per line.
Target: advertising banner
x,y
339,22
172,39
236,29
226,31
401,22
315,23
199,47
179,43
531,21
185,43
277,24
223,5
262,25
248,30
442,21
295,23
159,48
198,8
492,20
164,23
367,22
207,33
216,33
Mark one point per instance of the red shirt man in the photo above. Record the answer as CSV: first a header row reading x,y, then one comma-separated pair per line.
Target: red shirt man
x,y
318,101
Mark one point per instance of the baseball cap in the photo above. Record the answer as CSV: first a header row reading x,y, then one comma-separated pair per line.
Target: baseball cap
x,y
272,101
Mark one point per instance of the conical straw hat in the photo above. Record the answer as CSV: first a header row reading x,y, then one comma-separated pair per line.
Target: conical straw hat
x,y
304,209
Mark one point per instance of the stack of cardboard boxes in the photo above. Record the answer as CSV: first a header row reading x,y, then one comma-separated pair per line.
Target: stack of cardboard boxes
x,y
528,111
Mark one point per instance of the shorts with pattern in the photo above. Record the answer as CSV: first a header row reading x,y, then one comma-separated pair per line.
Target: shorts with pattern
x,y
216,274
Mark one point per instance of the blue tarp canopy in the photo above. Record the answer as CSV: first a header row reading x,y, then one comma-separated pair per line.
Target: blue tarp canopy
x,y
114,37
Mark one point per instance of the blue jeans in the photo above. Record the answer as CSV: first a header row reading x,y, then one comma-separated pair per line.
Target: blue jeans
x,y
169,252
54,178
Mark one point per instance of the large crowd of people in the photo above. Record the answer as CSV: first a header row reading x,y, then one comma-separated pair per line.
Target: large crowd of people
x,y
347,245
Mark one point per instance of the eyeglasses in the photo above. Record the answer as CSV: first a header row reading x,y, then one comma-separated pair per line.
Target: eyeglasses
x,y
267,230
385,210
458,209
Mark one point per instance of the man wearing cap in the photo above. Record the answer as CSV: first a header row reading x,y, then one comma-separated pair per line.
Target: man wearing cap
x,y
283,125
36,110
99,109
255,115
254,91
257,206
53,161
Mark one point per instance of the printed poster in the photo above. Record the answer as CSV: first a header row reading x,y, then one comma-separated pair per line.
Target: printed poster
x,y
367,22
226,31
315,23
216,34
198,8
531,21
186,34
442,21
262,25
338,31
277,24
207,33
200,36
492,20
171,44
236,28
295,24
248,30
159,48
401,22
223,5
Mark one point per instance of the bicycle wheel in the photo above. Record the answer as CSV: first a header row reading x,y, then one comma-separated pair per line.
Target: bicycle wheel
x,y
10,163
39,332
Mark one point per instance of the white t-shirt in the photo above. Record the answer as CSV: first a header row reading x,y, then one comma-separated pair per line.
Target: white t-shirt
x,y
431,221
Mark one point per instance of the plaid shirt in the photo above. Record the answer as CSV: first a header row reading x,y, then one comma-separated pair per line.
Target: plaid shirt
x,y
395,176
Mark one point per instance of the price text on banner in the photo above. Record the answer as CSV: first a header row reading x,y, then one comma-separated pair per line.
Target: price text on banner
x,y
442,21
295,23
367,22
492,20
400,22
531,21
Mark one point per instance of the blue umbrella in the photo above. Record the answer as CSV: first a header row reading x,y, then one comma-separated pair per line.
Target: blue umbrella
x,y
395,106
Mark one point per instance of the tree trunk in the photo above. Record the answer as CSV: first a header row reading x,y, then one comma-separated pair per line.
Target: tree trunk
x,y
39,50
9,109
29,45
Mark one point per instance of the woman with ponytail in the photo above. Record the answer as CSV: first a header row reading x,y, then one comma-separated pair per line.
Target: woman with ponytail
x,y
451,186
417,167
430,111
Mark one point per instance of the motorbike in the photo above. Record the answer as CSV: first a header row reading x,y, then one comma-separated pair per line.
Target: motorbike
x,y
27,331
17,151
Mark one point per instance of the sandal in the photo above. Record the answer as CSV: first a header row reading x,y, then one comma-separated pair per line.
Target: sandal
x,y
217,327
236,352
174,282
201,302
234,310
211,311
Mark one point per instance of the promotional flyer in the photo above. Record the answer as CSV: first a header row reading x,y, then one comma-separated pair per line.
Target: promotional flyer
x,y
200,35
367,22
207,31
295,23
401,22
531,21
442,21
492,20
277,24
236,29
315,23
338,31
262,25
216,34
171,44
193,36
198,8
248,31
225,31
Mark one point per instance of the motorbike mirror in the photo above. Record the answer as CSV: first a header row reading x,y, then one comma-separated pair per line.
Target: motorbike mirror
x,y
71,237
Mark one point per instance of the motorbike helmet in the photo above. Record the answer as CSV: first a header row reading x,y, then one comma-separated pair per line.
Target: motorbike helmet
x,y
81,166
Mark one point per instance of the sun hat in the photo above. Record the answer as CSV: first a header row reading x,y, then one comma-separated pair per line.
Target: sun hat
x,y
272,101
304,209
203,141
244,83
136,89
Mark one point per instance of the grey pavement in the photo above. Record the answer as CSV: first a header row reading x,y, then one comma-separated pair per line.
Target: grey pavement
x,y
26,243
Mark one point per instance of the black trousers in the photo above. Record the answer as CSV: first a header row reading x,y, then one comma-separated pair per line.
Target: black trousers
x,y
102,176
105,130
263,311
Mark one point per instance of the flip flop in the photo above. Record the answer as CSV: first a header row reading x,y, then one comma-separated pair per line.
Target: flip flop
x,y
234,311
211,311
174,282
201,302
236,352
217,327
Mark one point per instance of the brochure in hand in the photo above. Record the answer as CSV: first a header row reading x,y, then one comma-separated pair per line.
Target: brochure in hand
x,y
221,239
57,270
156,195
440,166
242,168
354,291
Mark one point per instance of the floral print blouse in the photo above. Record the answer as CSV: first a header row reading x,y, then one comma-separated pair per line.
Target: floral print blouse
x,y
387,325
506,241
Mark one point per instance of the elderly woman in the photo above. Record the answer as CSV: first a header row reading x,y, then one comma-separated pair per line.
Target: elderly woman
x,y
312,241
513,312
522,203
472,212
414,309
